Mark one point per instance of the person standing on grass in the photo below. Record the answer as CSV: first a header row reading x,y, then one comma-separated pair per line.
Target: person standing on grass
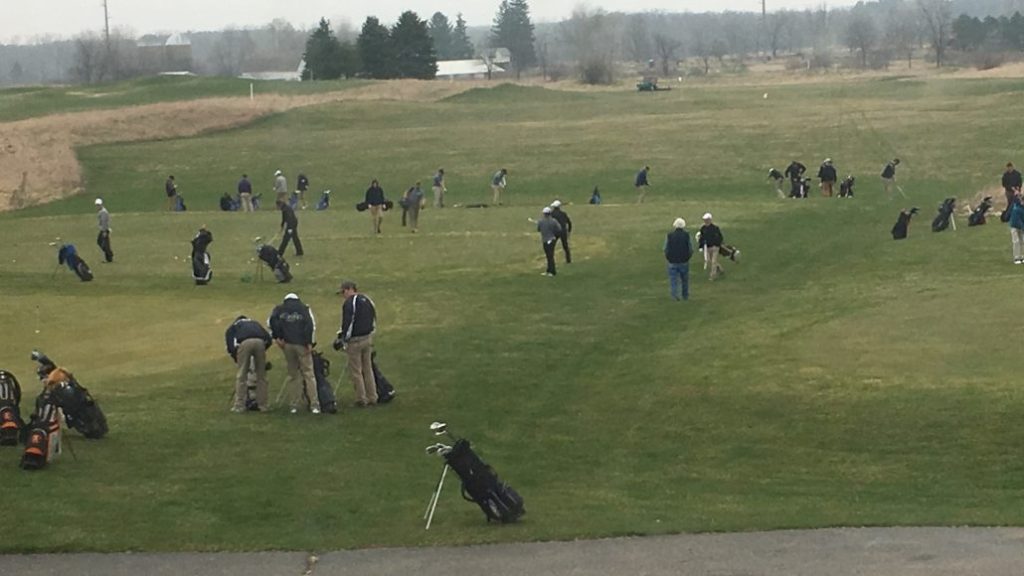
x,y
301,185
280,187
358,324
289,228
1011,183
795,173
566,224
641,184
1017,228
293,328
710,242
549,229
498,184
103,238
412,202
245,193
776,179
171,189
439,188
247,343
375,202
827,176
678,251
889,176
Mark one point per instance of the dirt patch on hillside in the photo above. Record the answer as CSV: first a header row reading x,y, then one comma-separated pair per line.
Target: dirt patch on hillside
x,y
38,154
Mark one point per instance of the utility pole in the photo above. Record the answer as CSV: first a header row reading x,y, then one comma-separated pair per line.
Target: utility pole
x,y
106,38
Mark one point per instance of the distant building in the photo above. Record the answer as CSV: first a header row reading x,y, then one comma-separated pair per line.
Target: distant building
x,y
475,69
291,76
165,53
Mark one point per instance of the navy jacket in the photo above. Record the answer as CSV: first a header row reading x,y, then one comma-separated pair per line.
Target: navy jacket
x,y
244,329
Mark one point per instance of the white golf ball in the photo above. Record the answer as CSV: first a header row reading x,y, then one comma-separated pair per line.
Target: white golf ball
x,y
37,331
765,95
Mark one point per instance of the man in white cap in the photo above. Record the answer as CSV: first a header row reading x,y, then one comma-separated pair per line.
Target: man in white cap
x,y
103,222
828,177
293,328
280,187
678,251
563,220
549,229
710,242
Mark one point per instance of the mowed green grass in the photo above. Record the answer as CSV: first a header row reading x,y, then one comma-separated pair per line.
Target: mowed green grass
x,y
832,378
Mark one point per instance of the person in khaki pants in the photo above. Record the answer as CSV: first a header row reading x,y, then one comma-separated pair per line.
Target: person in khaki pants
x,y
247,342
358,323
294,330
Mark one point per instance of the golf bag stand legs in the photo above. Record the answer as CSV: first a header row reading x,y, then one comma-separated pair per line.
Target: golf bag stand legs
x,y
432,505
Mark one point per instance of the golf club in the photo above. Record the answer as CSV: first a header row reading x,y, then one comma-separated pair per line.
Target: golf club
x,y
900,190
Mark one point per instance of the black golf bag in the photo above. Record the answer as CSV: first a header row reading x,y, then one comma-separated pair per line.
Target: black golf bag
x,y
325,200
977,217
41,435
276,261
324,390
729,251
201,271
228,204
900,229
481,484
385,391
362,207
846,187
10,409
799,187
941,221
68,255
81,411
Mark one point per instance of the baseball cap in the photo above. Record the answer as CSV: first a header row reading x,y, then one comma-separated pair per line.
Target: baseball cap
x,y
347,284
546,210
99,202
291,296
679,223
556,204
706,216
278,173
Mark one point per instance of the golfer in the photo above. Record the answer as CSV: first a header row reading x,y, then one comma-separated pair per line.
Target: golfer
x,y
549,230
1011,183
280,186
678,251
375,201
103,238
293,328
498,184
439,188
566,223
247,343
289,228
641,184
710,242
889,176
358,323
827,176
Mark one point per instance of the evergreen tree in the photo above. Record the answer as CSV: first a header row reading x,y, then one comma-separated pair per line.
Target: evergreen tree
x,y
376,51
441,32
513,30
462,47
323,54
414,50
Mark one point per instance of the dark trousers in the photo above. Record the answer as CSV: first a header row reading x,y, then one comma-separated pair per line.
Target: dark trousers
x,y
290,235
103,241
564,237
405,214
549,253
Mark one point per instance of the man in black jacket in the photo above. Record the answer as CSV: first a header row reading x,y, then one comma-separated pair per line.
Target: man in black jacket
x,y
301,185
678,251
247,342
294,329
358,323
710,242
289,228
563,220
827,176
795,173
1011,183
889,176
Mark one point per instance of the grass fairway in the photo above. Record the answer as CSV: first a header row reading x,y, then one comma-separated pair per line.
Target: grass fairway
x,y
832,378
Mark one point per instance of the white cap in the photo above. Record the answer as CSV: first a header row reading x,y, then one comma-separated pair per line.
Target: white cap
x,y
679,223
291,296
546,210
706,216
828,160
556,204
278,173
99,202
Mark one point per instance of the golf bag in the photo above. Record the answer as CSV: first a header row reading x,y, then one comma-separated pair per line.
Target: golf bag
x,y
41,435
481,484
900,229
61,389
385,391
228,204
179,204
201,271
595,196
941,221
362,207
729,251
325,200
799,187
68,255
846,187
324,390
272,258
256,200
977,217
293,200
10,409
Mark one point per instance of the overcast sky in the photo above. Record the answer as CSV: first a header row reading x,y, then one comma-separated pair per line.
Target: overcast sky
x,y
23,20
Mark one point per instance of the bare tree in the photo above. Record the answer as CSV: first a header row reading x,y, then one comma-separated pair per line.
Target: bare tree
x,y
938,16
589,35
665,48
89,59
861,35
778,24
231,52
902,30
637,40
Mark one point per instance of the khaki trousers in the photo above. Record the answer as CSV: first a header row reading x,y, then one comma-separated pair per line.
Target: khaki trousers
x,y
711,260
246,200
438,197
826,188
301,382
376,218
252,356
360,368
497,193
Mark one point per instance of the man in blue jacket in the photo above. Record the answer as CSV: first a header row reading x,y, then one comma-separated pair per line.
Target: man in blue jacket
x,y
641,184
678,251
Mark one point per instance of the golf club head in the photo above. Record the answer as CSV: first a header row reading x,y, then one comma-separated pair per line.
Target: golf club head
x,y
439,428
438,448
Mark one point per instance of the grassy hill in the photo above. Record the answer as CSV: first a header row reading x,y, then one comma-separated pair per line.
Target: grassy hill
x,y
833,377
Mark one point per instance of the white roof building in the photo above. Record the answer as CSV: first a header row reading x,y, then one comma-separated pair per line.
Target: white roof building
x,y
475,69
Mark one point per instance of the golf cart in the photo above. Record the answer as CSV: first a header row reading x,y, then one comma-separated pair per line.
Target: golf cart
x,y
650,84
